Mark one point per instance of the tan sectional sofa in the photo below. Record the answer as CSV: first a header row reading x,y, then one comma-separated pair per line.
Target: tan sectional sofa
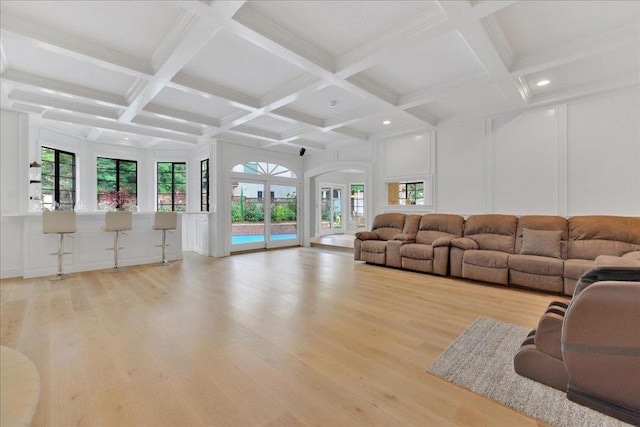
x,y
543,252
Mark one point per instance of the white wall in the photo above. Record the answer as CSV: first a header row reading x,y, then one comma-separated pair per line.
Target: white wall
x,y
603,167
14,161
460,160
579,158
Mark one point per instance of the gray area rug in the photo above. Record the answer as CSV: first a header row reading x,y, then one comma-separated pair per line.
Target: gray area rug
x,y
481,360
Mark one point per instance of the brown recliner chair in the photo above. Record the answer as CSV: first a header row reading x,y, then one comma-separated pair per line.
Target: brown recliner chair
x,y
591,347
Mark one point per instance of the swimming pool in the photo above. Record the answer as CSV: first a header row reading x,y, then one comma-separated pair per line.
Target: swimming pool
x,y
236,240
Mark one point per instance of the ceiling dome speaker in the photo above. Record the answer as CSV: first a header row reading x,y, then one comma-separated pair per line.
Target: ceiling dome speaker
x,y
302,151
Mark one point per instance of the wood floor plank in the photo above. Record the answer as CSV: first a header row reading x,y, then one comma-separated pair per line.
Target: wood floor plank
x,y
292,337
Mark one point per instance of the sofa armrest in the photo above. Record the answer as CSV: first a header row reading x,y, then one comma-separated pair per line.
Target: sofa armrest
x,y
442,241
367,235
465,243
406,238
635,255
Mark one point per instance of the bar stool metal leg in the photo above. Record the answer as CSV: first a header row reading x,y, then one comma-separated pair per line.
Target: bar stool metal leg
x,y
116,268
59,276
164,245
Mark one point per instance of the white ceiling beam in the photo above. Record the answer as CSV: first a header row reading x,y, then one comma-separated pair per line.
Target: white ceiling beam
x,y
419,30
195,86
293,116
305,85
310,145
349,118
576,50
49,101
352,133
186,39
173,113
435,92
258,30
485,40
118,126
486,52
423,115
256,133
168,125
94,134
45,37
32,81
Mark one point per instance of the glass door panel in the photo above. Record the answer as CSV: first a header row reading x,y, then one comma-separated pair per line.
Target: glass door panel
x,y
283,225
331,207
247,215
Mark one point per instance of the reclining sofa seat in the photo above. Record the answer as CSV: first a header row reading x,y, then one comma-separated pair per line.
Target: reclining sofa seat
x,y
483,252
430,252
539,262
591,347
371,246
595,235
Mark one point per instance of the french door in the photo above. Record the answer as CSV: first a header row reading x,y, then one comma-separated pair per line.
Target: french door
x,y
331,209
263,215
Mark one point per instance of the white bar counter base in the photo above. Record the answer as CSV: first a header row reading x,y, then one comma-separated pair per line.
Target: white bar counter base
x,y
25,249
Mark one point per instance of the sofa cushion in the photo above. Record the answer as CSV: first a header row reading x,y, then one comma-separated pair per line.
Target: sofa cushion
x,y
492,232
434,226
575,268
544,243
374,246
590,236
417,251
617,260
547,223
537,265
492,259
388,225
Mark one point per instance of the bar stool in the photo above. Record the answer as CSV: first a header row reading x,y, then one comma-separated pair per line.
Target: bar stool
x,y
117,222
164,221
61,223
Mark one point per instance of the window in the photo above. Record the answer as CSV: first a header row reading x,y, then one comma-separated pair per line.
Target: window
x,y
406,193
357,201
204,185
172,186
117,183
58,179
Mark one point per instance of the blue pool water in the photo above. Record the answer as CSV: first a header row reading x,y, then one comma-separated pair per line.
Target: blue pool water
x,y
235,240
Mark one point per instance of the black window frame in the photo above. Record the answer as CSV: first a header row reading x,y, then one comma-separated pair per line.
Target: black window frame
x,y
173,188
117,185
56,176
410,191
356,203
204,185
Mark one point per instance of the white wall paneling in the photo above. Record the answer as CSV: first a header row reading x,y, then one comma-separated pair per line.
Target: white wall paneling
x,y
525,163
604,155
14,161
460,179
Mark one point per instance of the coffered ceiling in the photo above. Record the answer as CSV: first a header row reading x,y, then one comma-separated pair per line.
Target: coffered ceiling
x,y
316,74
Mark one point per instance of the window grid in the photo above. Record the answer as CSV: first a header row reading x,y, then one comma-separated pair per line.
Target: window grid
x,y
172,186
117,176
58,179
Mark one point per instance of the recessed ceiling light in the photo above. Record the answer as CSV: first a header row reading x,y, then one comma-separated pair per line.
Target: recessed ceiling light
x,y
332,103
386,122
543,83
126,138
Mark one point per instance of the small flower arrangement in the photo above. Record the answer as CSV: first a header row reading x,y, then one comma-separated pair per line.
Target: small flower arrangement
x,y
118,200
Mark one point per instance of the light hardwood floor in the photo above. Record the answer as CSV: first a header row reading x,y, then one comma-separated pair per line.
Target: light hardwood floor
x,y
289,337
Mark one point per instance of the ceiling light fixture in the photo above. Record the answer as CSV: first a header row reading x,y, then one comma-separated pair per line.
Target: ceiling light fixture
x,y
543,83
332,103
386,122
